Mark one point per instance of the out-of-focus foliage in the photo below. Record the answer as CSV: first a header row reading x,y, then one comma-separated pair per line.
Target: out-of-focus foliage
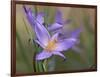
x,y
81,57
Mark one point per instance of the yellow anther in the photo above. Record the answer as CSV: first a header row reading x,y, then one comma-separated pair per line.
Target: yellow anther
x,y
51,46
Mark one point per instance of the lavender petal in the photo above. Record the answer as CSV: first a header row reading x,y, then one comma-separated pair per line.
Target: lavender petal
x,y
42,34
55,27
43,55
65,44
30,16
38,42
40,17
75,33
55,36
58,17
59,53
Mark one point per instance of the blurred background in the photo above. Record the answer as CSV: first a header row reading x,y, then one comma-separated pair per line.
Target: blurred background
x,y
80,57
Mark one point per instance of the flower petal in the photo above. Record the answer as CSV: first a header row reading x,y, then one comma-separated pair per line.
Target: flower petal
x,y
30,16
76,33
40,43
58,17
55,36
43,55
40,17
58,22
65,44
58,53
42,34
54,27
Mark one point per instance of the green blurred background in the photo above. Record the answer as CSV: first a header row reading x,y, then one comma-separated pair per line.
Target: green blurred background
x,y
78,58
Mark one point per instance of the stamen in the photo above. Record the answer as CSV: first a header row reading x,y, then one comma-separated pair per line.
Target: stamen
x,y
51,46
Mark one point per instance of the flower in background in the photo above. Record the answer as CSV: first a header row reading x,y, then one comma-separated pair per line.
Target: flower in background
x,y
58,23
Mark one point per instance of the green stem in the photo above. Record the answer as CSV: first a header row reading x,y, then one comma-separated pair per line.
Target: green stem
x,y
38,64
35,65
45,67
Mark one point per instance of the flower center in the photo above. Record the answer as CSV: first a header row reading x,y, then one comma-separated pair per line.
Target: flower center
x,y
51,46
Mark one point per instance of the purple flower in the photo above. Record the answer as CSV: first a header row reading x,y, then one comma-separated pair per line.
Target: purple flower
x,y
59,23
32,18
57,27
50,44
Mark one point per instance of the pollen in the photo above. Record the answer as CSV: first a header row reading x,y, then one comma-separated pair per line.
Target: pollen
x,y
51,46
